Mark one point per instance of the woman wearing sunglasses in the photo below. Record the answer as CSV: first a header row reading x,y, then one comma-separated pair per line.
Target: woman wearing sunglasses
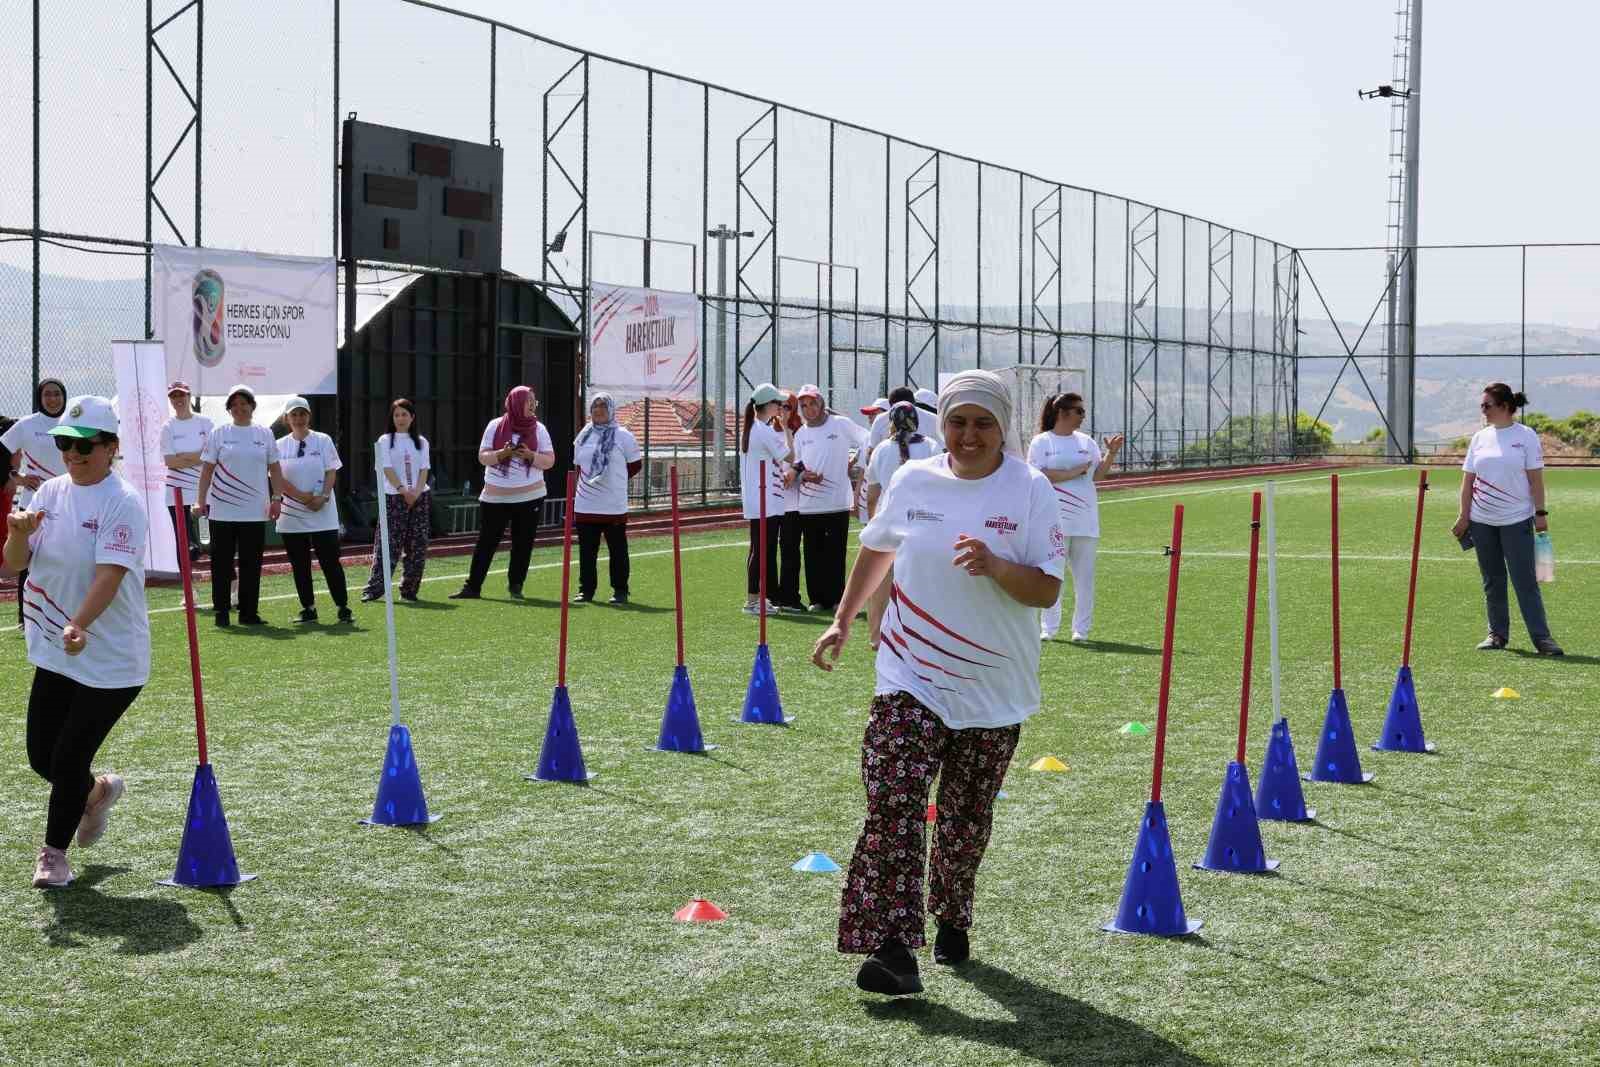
x,y
82,539
1502,504
239,474
1072,461
308,514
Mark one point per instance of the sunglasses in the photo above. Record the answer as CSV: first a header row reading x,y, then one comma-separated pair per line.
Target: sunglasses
x,y
82,445
1487,406
301,452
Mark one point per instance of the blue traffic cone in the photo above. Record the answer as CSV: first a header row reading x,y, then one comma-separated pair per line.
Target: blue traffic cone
x,y
761,703
680,726
205,857
400,801
561,759
1150,900
1235,844
1336,751
815,863
1278,794
1402,728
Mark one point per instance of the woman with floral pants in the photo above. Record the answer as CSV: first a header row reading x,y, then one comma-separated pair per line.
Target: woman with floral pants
x,y
975,543
406,460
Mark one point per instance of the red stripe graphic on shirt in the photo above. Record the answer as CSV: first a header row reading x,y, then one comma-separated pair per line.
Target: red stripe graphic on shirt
x,y
244,486
926,663
296,505
900,618
35,587
42,466
1068,500
225,495
47,629
898,595
1488,485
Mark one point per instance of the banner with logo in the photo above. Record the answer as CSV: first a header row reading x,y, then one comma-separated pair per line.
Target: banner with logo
x,y
229,318
644,342
141,412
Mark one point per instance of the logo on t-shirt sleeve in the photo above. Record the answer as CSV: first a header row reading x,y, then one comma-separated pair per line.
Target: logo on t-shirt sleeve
x,y
121,539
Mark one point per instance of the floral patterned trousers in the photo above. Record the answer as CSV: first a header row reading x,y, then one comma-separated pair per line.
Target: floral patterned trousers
x,y
905,746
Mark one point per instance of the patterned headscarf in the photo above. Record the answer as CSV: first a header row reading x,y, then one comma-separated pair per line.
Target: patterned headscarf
x,y
903,427
607,439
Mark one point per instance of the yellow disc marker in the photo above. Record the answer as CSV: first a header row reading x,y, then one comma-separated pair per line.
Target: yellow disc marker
x,y
1048,763
1506,693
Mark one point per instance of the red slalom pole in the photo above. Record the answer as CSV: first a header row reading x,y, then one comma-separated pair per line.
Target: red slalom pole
x,y
1175,551
566,576
1338,667
763,593
1416,556
1249,623
677,561
186,569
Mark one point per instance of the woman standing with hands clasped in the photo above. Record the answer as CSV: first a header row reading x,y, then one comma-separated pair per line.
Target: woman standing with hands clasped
x,y
183,438
409,501
759,443
83,539
977,550
1502,504
308,513
1073,463
239,474
606,456
515,452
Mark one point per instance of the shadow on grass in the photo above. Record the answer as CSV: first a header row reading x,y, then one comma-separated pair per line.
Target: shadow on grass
x,y
264,630
423,832
1291,972
634,607
1352,835
1116,648
424,605
1374,903
1426,799
145,925
1048,1026
1568,658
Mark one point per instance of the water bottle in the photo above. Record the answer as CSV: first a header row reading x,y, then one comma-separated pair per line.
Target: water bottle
x,y
204,526
1544,557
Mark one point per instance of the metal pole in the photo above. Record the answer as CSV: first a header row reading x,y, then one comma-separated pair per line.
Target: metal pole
x,y
493,76
716,424
649,191
388,595
336,128
149,98
1409,238
980,266
722,346
199,105
36,226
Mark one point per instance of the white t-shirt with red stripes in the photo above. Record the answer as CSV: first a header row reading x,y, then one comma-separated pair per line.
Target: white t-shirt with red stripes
x,y
240,455
1077,499
769,446
29,438
1499,460
184,435
825,450
957,643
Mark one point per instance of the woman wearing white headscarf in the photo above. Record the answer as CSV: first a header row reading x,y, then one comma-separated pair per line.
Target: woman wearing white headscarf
x,y
976,547
606,455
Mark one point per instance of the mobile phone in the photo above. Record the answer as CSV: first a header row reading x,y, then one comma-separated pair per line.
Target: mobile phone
x,y
1465,540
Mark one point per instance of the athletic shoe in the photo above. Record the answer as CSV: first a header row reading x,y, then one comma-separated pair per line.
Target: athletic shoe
x,y
1492,643
346,615
257,620
52,871
466,592
1046,635
1078,638
95,816
221,620
1548,647
618,599
951,946
892,971
309,615
755,609
579,598
369,597
816,609
514,591
412,596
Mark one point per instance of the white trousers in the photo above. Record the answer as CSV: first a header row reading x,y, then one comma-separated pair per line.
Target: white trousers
x,y
1080,563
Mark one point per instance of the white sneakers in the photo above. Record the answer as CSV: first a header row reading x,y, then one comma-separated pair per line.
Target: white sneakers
x,y
1078,638
755,608
108,789
52,871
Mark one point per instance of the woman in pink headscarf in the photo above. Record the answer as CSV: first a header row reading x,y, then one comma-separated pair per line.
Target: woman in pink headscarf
x,y
515,452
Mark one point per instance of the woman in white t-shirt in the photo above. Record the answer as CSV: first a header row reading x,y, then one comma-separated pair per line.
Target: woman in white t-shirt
x,y
82,542
904,444
239,477
977,550
1502,505
1073,463
406,462
607,456
33,455
760,442
183,438
785,597
822,450
515,452
308,513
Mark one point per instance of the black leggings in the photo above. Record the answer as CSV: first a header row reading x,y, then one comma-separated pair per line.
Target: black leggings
x,y
325,543
788,591
616,535
248,538
523,518
67,723
752,562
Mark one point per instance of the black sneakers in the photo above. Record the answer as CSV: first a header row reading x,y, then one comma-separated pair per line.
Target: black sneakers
x,y
892,971
618,599
951,946
1547,646
308,615
515,592
346,615
466,592
1492,643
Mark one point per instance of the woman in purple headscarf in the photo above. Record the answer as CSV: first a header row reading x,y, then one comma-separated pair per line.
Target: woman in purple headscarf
x,y
515,452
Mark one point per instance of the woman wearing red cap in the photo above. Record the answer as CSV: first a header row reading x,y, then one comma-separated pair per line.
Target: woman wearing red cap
x,y
183,439
515,452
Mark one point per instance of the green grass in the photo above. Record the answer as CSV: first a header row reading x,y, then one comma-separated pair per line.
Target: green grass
x,y
1450,913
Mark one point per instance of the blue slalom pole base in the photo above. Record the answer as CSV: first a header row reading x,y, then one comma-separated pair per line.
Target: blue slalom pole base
x,y
1337,760
1402,727
400,800
561,758
1150,900
1278,793
761,703
680,726
205,857
1235,845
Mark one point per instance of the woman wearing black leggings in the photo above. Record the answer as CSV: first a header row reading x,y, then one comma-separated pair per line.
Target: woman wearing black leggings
x,y
88,635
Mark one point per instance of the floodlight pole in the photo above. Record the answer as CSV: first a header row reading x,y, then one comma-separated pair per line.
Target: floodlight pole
x,y
1402,265
722,235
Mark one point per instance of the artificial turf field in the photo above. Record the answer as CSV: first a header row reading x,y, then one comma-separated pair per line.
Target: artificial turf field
x,y
1447,913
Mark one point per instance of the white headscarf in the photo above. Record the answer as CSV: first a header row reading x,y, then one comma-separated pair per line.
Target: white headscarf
x,y
979,387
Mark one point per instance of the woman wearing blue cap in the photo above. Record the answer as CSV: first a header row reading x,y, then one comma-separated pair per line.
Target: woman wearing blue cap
x,y
82,539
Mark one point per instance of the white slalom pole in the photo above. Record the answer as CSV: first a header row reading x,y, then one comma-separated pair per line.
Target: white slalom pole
x,y
388,593
1272,596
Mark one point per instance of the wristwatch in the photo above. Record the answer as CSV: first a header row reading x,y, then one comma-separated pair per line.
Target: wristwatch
x,y
1542,514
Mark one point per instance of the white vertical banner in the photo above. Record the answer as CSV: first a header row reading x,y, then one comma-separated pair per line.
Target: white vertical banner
x,y
142,411
644,342
229,318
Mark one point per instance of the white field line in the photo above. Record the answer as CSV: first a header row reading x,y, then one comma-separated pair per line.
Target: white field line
x,y
1344,557
1242,483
